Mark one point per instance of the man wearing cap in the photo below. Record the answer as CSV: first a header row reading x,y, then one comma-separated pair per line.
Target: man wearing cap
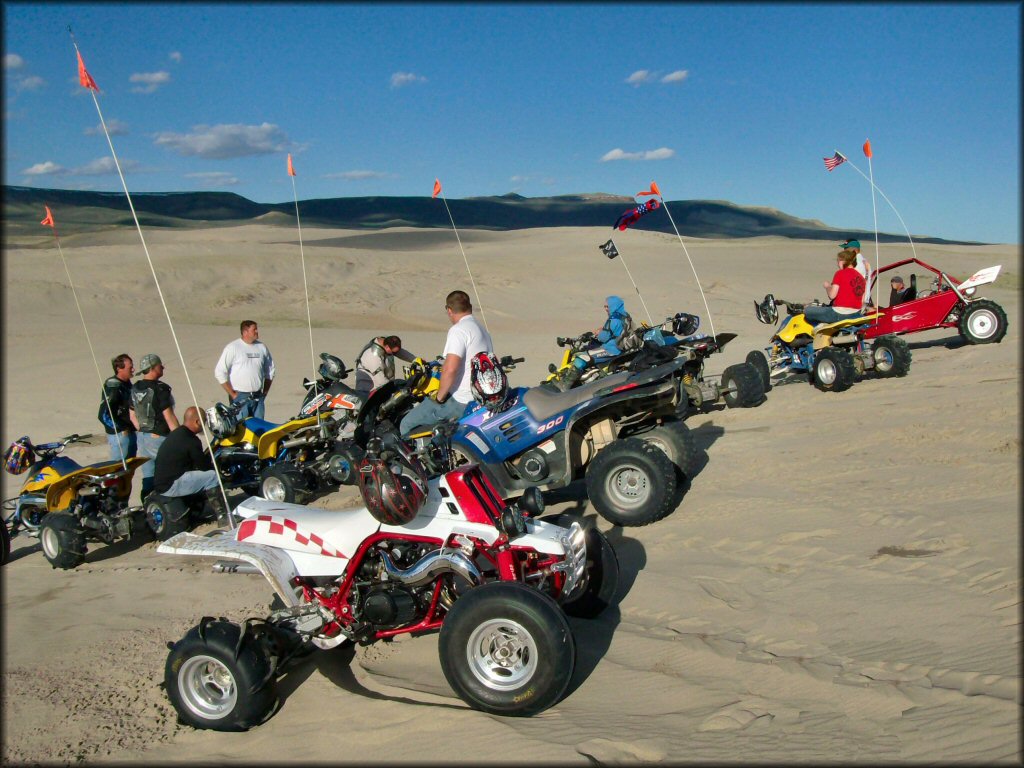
x,y
152,414
898,292
861,266
246,371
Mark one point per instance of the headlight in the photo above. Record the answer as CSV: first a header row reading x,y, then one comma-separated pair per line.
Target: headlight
x,y
969,291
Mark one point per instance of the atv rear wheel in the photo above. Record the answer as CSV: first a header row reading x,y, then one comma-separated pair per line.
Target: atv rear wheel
x,y
282,483
212,688
631,482
676,441
983,322
742,387
834,370
891,356
62,540
507,649
759,361
602,571
166,516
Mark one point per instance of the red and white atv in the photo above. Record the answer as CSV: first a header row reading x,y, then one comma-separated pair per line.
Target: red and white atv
x,y
495,581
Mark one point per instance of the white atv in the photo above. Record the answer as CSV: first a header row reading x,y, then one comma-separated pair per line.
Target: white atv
x,y
495,581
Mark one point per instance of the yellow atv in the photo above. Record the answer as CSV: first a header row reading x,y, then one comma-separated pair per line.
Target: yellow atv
x,y
66,504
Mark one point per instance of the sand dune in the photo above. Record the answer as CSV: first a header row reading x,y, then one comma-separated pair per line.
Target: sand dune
x,y
840,581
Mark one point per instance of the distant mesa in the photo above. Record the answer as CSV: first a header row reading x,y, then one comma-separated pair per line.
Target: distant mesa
x,y
79,212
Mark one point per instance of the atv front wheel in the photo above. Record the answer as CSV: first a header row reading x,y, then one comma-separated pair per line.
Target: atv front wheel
x,y
759,361
62,540
983,322
631,482
602,574
676,441
211,687
742,387
834,370
507,649
282,483
891,356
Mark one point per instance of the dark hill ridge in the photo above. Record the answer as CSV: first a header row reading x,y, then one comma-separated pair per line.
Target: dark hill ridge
x,y
93,211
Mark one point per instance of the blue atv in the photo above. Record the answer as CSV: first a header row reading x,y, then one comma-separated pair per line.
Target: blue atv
x,y
623,434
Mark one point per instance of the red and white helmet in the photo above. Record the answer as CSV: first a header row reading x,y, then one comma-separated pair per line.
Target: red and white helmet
x,y
393,488
488,381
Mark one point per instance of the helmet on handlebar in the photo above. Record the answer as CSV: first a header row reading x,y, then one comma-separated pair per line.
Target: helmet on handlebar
x,y
767,312
331,368
222,420
684,324
488,381
19,456
393,485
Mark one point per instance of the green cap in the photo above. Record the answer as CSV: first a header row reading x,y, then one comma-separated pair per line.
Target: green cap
x,y
148,362
850,244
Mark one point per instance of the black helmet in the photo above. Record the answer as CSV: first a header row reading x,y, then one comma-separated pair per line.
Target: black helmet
x,y
684,324
488,381
767,312
393,484
331,368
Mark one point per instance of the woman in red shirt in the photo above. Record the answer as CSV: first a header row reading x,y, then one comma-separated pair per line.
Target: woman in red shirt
x,y
846,292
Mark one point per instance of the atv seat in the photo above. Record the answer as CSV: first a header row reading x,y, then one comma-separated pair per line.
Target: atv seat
x,y
543,403
259,426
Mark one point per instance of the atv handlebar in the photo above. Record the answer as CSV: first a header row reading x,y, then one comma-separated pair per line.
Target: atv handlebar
x,y
510,362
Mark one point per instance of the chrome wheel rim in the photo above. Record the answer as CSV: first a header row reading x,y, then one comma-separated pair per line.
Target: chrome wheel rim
x,y
826,372
273,489
628,486
884,359
50,542
982,323
501,654
207,687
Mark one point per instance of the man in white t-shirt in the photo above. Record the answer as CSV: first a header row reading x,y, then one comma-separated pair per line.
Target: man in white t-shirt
x,y
466,338
246,371
861,266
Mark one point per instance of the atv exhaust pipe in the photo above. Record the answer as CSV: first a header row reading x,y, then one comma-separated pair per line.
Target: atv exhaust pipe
x,y
433,565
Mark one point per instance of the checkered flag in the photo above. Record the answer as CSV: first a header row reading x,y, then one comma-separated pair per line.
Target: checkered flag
x,y
609,249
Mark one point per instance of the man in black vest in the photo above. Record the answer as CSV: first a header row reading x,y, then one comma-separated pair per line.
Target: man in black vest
x,y
114,407
152,414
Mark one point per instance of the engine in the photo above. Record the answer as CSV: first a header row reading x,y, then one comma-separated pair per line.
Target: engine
x,y
389,606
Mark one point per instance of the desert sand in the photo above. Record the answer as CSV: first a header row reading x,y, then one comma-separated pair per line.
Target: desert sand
x,y
840,583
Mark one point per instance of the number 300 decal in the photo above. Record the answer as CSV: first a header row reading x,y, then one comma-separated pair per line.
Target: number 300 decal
x,y
551,424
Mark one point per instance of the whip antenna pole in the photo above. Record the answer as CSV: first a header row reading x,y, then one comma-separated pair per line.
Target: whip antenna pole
x,y
48,221
305,287
437,190
874,214
87,82
611,252
706,307
876,188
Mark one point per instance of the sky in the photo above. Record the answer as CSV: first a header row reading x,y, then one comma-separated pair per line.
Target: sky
x,y
715,102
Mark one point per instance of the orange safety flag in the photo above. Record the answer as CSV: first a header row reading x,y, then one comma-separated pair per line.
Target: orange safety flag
x,y
48,221
83,75
291,168
867,148
437,188
652,191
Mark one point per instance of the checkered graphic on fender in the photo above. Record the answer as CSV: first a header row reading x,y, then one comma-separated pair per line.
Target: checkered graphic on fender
x,y
269,525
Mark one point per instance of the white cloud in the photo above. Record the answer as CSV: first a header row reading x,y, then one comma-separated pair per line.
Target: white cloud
x,y
398,79
175,56
150,81
29,83
13,61
640,76
214,178
114,127
225,141
651,154
356,175
49,168
675,77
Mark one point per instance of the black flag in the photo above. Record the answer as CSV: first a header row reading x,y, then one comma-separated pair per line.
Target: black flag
x,y
609,249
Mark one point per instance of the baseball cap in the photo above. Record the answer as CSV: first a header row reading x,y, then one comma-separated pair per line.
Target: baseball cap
x,y
896,279
850,244
149,361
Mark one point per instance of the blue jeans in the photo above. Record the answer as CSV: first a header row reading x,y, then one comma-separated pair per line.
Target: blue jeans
x,y
430,412
122,442
252,404
824,314
149,444
191,482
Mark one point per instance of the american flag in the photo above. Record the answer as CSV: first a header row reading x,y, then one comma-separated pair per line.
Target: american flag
x,y
832,162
